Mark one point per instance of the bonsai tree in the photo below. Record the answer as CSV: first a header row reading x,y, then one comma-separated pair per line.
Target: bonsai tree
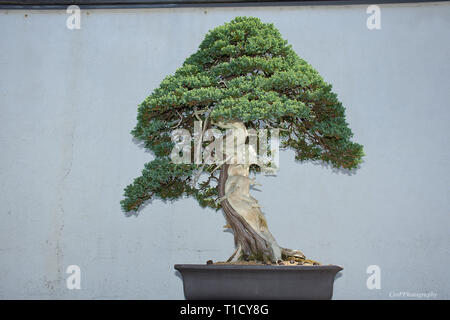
x,y
244,76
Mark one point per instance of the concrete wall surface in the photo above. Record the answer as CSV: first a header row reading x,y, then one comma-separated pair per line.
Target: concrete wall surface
x,y
68,101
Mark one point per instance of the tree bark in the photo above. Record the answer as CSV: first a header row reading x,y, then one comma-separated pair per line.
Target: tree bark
x,y
252,237
251,242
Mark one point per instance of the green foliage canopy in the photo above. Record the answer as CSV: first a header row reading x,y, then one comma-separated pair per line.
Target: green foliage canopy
x,y
243,70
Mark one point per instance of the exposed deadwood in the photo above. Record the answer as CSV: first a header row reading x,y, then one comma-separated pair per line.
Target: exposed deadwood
x,y
252,244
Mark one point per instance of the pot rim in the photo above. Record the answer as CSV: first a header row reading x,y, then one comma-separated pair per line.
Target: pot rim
x,y
330,267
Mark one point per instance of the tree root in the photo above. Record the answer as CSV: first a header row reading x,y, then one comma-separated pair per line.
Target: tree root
x,y
289,257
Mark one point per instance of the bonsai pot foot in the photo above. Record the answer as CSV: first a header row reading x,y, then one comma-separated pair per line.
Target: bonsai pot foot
x,y
257,282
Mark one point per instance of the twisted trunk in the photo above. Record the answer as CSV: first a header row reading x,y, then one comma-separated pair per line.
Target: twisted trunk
x,y
251,235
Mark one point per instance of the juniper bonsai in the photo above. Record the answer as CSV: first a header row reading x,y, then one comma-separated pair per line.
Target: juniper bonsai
x,y
244,75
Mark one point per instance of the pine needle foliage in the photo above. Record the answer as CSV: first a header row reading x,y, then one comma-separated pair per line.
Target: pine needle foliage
x,y
242,70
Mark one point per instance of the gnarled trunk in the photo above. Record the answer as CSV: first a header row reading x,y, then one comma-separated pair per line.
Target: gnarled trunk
x,y
252,237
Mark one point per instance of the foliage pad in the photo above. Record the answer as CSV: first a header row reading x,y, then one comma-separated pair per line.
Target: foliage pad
x,y
244,70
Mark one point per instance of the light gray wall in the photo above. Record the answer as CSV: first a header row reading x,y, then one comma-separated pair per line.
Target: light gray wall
x,y
68,102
